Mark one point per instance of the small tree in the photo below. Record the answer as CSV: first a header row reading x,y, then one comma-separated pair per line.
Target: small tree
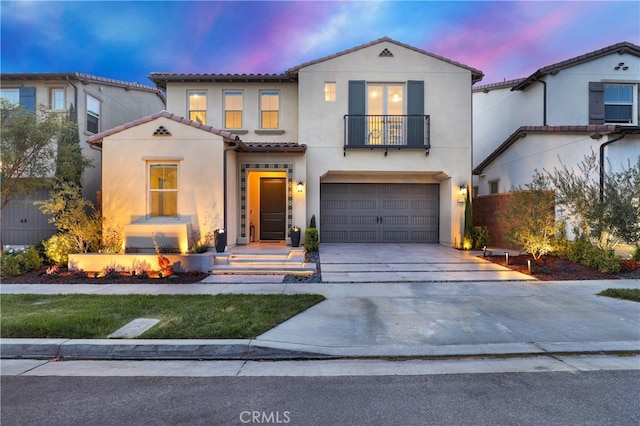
x,y
531,216
468,223
70,162
74,216
621,204
603,218
27,148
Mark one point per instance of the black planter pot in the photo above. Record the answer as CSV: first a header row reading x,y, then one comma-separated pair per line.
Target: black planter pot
x,y
220,238
295,238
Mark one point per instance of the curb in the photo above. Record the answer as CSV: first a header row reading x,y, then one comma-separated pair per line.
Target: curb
x,y
256,350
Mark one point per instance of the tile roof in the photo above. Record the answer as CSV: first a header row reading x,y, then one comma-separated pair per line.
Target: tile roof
x,y
82,77
504,84
272,147
161,79
600,129
96,139
477,74
623,47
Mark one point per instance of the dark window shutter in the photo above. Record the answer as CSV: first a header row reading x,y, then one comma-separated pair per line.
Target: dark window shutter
x,y
28,98
596,102
357,110
415,110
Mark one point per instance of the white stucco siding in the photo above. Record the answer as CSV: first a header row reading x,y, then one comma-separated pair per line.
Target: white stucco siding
x,y
500,112
568,91
199,155
447,101
177,103
516,166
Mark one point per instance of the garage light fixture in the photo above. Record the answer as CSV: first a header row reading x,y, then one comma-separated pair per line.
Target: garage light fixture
x,y
300,186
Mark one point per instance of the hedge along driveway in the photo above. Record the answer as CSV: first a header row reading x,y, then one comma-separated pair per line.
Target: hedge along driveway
x,y
78,316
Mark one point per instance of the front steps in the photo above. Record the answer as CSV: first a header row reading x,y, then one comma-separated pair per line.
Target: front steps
x,y
262,263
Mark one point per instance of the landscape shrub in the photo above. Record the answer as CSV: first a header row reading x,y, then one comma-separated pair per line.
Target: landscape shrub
x,y
58,248
20,261
584,252
480,236
311,240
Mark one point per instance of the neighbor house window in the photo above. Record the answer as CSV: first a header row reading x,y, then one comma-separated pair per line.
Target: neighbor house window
x,y
93,114
163,190
56,98
197,106
618,103
493,187
330,91
269,110
24,97
232,109
11,95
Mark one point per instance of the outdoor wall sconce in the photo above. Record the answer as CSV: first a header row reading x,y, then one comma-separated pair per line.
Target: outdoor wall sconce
x,y
463,193
300,186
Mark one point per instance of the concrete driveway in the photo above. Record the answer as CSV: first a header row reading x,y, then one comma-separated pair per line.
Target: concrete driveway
x,y
374,263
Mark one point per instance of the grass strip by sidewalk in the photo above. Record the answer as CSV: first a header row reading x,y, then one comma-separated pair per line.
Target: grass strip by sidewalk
x,y
622,293
80,316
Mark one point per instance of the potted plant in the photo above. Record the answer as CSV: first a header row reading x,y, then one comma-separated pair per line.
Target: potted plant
x,y
220,240
294,233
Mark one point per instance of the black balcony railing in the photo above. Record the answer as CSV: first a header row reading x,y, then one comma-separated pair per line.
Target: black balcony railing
x,y
386,131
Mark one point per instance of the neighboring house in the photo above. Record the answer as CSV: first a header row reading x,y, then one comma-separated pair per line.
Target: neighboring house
x,y
100,103
556,116
551,119
375,141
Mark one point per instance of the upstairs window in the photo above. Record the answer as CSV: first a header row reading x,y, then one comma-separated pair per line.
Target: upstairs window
x,y
93,114
269,110
233,109
197,106
330,91
11,95
163,190
24,97
613,103
56,98
618,103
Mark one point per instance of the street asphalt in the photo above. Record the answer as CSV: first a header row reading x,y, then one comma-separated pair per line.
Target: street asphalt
x,y
388,301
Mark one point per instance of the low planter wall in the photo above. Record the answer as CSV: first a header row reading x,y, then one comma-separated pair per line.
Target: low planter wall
x,y
94,262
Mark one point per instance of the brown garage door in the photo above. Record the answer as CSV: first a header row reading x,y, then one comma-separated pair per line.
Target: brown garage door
x,y
379,213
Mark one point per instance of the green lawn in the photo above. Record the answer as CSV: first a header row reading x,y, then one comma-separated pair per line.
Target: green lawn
x,y
230,316
622,293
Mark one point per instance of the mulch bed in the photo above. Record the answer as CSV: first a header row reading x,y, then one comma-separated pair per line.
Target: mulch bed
x,y
69,277
554,268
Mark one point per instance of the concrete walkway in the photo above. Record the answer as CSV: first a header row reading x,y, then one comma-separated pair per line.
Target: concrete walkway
x,y
456,313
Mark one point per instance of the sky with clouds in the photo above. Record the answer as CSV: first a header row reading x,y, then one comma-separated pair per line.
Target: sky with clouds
x,y
127,40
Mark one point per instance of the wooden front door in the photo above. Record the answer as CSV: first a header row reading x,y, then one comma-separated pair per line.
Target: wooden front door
x,y
273,197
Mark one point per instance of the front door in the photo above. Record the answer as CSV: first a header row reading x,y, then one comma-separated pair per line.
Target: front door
x,y
273,196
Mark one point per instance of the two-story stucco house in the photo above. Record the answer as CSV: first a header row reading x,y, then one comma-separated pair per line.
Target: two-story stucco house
x,y
374,141
556,116
100,104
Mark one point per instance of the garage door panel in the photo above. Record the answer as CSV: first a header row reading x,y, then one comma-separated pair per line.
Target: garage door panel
x,y
379,212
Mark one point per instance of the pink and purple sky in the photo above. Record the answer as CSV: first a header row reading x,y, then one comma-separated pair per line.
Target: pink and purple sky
x,y
129,40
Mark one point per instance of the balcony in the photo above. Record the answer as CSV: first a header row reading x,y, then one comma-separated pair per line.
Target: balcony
x,y
387,132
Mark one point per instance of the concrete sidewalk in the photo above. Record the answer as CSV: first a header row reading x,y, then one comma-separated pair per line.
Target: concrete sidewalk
x,y
385,301
385,320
